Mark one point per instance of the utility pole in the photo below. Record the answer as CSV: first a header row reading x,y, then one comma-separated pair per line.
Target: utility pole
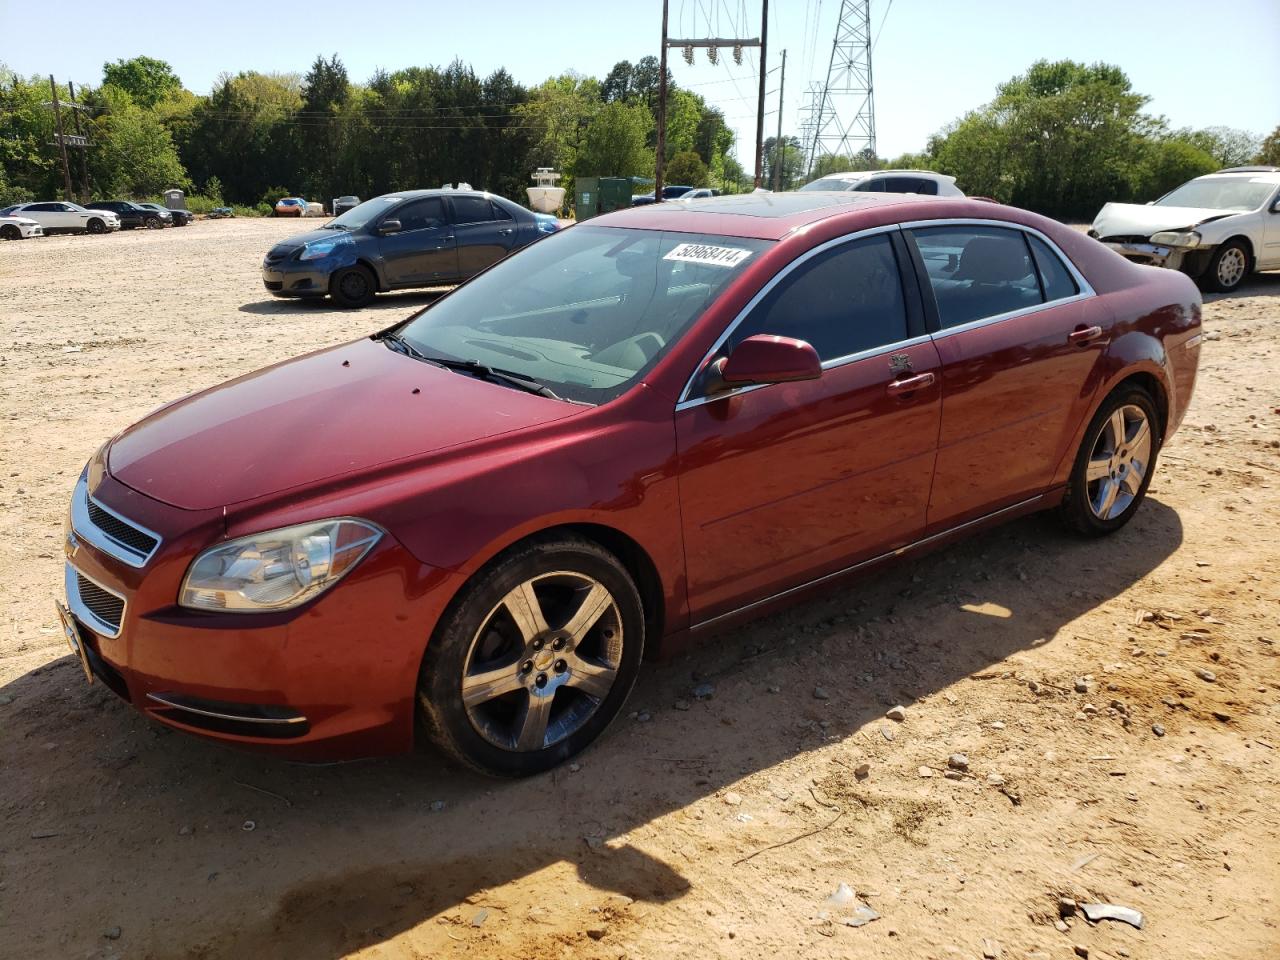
x,y
712,45
84,157
778,152
62,145
764,39
661,160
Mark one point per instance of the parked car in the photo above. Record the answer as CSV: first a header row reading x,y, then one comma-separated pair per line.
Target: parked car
x,y
290,207
314,209
133,215
19,228
889,181
180,217
220,213
609,445
342,204
60,216
674,192
1217,228
417,238
701,193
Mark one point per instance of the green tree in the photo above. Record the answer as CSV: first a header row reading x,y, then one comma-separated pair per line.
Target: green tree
x,y
618,84
145,79
1269,153
829,163
1227,146
688,169
1167,162
790,162
133,153
615,143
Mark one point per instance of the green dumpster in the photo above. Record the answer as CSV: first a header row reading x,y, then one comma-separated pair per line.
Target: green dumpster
x,y
595,195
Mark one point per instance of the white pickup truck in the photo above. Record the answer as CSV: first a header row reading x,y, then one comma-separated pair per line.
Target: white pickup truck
x,y
1218,228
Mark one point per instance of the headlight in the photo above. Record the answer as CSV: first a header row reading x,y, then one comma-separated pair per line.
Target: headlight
x,y
278,569
1177,238
317,251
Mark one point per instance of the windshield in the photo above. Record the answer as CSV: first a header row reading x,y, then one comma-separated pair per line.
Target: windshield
x,y
830,183
364,213
587,311
1220,193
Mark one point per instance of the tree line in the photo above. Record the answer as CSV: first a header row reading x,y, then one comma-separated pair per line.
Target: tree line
x,y
259,136
1062,138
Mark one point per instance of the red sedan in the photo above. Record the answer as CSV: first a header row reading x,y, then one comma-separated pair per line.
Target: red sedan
x,y
618,439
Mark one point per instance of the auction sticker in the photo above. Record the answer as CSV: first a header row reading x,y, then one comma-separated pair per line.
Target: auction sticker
x,y
706,253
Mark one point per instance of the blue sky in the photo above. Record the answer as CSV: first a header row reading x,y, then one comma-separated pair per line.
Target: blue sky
x,y
933,59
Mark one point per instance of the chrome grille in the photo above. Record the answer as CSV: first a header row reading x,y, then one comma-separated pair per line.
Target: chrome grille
x,y
119,530
107,607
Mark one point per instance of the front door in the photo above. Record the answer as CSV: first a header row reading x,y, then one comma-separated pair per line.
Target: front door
x,y
784,483
486,233
1021,343
423,250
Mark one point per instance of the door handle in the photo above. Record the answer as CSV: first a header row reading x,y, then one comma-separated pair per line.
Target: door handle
x,y
507,231
1081,336
910,384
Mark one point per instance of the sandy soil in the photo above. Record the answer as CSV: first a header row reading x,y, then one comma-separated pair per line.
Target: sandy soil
x,y
120,839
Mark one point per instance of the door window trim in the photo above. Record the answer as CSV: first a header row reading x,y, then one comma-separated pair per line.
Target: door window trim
x,y
1086,290
688,400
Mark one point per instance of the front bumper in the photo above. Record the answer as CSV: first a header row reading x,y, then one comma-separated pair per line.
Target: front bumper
x,y
31,230
295,278
331,680
1150,254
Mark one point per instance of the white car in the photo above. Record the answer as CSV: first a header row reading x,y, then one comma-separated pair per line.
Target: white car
x,y
19,228
58,216
1217,228
889,181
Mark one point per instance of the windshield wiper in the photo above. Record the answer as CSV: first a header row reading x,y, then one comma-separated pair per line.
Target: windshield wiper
x,y
509,377
334,226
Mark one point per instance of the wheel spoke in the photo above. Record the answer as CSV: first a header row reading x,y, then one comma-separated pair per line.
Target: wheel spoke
x,y
533,723
1110,490
1098,469
482,687
593,679
1141,436
522,603
1117,429
1132,481
593,606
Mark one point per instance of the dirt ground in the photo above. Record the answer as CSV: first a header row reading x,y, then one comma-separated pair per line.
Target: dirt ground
x,y
121,839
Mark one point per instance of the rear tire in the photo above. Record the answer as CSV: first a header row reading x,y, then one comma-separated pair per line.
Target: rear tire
x,y
534,659
96,226
1227,268
154,223
353,287
1114,465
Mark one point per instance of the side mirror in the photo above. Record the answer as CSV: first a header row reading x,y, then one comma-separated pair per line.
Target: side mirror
x,y
389,226
765,358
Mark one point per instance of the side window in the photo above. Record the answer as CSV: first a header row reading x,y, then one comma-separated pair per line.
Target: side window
x,y
499,212
420,214
874,185
928,186
41,208
843,301
471,210
977,272
1054,275
902,184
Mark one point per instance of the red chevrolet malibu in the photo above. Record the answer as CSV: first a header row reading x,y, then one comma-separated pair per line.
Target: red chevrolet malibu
x,y
476,523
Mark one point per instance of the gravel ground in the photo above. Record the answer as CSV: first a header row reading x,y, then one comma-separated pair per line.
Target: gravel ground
x,y
1100,765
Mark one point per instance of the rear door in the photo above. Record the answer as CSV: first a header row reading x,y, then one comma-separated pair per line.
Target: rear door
x,y
784,483
422,251
486,233
1021,337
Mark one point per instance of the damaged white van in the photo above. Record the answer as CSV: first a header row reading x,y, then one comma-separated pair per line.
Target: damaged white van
x,y
1218,228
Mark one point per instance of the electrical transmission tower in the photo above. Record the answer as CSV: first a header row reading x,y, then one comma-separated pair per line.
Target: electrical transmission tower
x,y
843,115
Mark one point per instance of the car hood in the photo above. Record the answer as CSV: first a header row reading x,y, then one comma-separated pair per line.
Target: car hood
x,y
335,412
1139,219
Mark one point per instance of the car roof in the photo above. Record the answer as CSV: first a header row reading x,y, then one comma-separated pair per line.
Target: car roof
x,y
1265,174
852,175
771,216
437,192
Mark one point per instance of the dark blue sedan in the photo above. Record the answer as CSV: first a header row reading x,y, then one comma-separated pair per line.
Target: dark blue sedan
x,y
417,238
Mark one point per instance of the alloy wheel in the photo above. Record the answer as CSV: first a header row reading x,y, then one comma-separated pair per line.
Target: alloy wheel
x,y
543,661
1119,462
1231,266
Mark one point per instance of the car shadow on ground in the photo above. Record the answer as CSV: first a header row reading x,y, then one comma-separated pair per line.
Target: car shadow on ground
x,y
1255,285
344,857
401,300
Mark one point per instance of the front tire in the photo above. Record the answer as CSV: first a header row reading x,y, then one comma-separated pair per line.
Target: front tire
x,y
96,226
154,223
1114,465
10,232
353,287
534,659
1228,267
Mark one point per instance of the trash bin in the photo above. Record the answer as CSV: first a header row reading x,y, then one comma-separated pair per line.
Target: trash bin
x,y
596,195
